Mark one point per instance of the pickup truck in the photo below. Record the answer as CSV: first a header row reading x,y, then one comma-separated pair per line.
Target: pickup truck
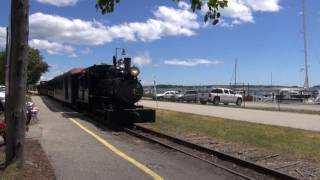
x,y
220,95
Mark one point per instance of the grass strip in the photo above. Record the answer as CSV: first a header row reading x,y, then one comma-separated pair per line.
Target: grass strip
x,y
301,143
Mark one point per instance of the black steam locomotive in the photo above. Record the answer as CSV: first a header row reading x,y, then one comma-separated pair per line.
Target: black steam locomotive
x,y
106,91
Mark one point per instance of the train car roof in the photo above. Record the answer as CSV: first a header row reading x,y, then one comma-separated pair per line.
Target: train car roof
x,y
75,70
70,72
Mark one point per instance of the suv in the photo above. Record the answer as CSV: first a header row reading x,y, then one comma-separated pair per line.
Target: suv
x,y
189,95
168,95
221,95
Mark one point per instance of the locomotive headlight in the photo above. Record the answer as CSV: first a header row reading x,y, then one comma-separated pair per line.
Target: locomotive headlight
x,y
134,71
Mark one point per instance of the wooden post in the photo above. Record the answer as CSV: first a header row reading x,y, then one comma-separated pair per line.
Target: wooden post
x,y
15,106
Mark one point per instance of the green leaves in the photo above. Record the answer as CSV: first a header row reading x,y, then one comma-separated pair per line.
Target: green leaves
x,y
36,66
213,14
196,5
106,6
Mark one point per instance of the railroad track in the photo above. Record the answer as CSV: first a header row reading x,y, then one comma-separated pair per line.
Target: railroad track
x,y
239,167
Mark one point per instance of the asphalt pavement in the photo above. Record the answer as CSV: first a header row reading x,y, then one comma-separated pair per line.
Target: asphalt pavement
x,y
293,106
286,119
75,154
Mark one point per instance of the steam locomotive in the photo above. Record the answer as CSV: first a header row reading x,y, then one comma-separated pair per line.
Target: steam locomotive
x,y
106,91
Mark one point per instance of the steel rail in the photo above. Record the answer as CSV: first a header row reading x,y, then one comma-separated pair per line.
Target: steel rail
x,y
220,155
134,133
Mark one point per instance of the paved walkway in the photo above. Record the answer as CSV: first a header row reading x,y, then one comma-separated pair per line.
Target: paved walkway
x,y
294,120
73,153
294,106
77,155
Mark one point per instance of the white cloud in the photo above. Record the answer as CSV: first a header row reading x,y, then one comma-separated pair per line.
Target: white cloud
x,y
263,5
63,30
142,59
59,3
192,62
184,5
3,37
167,22
56,31
52,48
241,11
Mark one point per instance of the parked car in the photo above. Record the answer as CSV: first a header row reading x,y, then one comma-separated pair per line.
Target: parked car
x,y
188,96
221,95
168,95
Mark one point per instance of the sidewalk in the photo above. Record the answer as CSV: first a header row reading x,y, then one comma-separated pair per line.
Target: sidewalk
x,y
74,154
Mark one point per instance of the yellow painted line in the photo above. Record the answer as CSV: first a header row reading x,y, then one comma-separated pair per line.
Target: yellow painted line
x,y
118,152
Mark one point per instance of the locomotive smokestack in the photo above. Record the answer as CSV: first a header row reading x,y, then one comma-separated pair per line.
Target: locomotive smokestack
x,y
114,60
127,63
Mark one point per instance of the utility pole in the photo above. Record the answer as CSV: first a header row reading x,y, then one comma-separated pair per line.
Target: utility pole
x,y
306,80
155,90
271,80
17,80
235,71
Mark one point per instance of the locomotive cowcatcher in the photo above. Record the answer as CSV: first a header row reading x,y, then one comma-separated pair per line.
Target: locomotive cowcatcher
x,y
109,92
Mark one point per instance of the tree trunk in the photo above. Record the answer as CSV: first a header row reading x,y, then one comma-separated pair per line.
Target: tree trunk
x,y
15,106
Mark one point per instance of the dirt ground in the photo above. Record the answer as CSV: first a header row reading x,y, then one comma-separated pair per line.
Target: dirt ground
x,y
37,165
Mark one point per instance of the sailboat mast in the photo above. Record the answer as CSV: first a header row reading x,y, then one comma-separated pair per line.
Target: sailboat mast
x,y
235,72
306,80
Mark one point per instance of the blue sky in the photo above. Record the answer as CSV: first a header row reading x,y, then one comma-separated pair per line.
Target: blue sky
x,y
173,45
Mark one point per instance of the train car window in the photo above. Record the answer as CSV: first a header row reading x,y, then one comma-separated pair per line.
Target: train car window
x,y
66,87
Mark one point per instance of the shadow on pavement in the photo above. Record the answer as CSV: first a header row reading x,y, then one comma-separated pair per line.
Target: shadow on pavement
x,y
68,112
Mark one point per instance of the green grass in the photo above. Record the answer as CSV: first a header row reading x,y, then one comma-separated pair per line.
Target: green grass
x,y
300,143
